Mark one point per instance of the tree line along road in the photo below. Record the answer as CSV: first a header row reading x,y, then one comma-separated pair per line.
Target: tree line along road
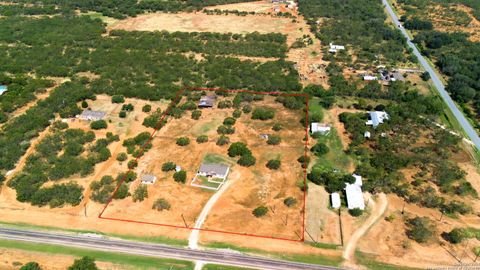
x,y
462,120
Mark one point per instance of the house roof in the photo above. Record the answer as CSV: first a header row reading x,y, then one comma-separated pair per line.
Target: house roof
x,y
93,114
3,89
335,197
354,196
219,169
149,178
377,118
319,127
207,101
358,180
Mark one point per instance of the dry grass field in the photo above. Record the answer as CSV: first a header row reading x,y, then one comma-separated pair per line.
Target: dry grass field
x,y
250,187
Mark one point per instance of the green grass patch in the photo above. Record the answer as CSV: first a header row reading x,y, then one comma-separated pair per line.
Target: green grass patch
x,y
149,239
369,261
324,245
139,262
312,259
204,182
222,267
336,158
216,158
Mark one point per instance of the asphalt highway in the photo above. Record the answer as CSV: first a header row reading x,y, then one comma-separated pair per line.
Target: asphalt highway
x,y
467,127
153,250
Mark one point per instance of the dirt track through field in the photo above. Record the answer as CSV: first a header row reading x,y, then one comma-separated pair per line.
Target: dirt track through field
x,y
378,209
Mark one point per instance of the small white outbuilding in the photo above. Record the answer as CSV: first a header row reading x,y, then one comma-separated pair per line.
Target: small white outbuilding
x,y
335,200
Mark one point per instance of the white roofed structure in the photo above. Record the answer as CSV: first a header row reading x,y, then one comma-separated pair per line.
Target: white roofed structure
x,y
320,128
370,78
354,193
335,199
376,118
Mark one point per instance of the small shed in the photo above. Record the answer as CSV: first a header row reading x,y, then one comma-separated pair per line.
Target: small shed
x,y
148,179
367,134
178,168
370,78
207,101
335,200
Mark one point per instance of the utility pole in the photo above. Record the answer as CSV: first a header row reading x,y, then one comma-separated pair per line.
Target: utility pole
x,y
403,208
441,216
85,210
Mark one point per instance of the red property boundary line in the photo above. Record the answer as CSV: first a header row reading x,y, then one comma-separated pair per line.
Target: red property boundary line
x,y
175,101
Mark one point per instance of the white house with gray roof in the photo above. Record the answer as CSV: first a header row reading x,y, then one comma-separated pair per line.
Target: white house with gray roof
x,y
148,179
90,115
214,170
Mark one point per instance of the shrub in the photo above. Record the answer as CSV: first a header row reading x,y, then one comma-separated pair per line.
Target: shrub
x,y
31,266
277,127
225,130
122,157
99,124
263,113
320,149
247,108
247,160
273,164
146,108
140,193
122,192
229,121
180,176
224,104
118,99
274,140
223,140
196,114
425,76
301,185
237,113
238,149
457,235
355,212
127,107
168,166
84,104
420,229
260,211
182,141
202,139
304,160
122,114
161,204
290,201
129,176
132,164
189,105
85,263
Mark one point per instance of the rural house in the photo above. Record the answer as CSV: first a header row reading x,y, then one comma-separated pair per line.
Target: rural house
x,y
3,89
207,101
376,118
334,48
90,115
148,179
354,194
323,129
214,170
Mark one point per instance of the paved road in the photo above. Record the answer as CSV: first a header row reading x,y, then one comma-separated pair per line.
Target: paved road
x,y
153,250
471,133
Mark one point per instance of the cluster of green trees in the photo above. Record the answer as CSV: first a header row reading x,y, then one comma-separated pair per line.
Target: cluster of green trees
x,y
420,229
456,57
84,263
16,134
360,24
333,181
62,154
21,90
241,149
102,189
138,145
119,9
